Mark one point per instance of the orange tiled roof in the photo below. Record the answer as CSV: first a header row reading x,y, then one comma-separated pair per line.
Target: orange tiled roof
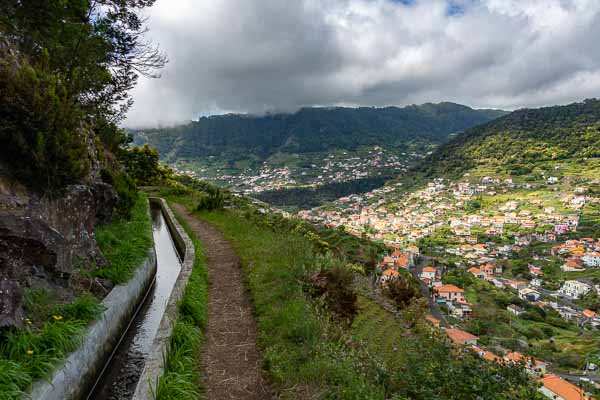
x,y
589,313
458,336
448,289
562,388
390,272
429,269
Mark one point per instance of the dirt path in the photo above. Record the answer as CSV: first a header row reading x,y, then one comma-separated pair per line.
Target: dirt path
x,y
231,362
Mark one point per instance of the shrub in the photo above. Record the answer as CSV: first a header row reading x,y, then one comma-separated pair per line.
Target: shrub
x,y
41,133
211,201
126,189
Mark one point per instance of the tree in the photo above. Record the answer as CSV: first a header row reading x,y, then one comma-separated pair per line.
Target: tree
x,y
65,71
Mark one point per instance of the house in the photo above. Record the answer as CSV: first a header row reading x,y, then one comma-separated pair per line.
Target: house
x,y
591,317
535,271
556,388
461,337
477,273
486,355
529,294
449,293
574,289
428,273
388,275
515,309
571,266
591,259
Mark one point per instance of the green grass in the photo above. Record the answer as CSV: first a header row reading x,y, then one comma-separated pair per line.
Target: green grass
x,y
125,243
181,378
51,333
307,355
304,355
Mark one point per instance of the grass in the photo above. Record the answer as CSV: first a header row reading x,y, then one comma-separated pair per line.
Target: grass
x,y
125,243
181,378
50,334
303,356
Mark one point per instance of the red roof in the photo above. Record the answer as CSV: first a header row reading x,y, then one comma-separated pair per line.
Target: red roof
x,y
448,289
458,336
562,388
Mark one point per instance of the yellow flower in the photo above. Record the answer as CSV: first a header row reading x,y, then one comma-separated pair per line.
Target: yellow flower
x,y
57,317
29,352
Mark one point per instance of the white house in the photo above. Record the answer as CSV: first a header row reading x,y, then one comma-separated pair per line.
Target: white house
x,y
591,259
529,294
574,289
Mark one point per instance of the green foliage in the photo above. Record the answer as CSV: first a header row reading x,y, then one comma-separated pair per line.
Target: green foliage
x,y
435,370
518,142
402,290
141,164
40,132
212,201
65,71
32,353
313,130
127,192
306,198
125,243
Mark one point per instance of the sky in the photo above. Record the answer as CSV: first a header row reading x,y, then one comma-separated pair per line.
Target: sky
x,y
256,56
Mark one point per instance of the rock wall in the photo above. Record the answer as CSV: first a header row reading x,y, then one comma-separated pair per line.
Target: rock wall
x,y
44,240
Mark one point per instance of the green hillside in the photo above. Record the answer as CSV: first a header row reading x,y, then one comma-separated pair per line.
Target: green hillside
x,y
313,130
518,142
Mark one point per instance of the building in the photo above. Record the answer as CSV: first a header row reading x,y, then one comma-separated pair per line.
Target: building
x,y
556,388
529,294
574,289
428,273
461,337
449,293
591,259
515,309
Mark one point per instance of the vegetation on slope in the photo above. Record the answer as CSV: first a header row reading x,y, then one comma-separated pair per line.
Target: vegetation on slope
x,y
65,72
313,350
125,243
517,142
305,198
313,130
52,331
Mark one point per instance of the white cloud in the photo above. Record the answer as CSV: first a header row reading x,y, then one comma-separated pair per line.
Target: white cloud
x,y
258,55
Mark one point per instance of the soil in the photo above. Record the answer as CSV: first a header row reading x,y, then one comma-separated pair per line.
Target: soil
x,y
231,360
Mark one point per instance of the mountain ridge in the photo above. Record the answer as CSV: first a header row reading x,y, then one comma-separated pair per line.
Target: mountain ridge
x,y
313,129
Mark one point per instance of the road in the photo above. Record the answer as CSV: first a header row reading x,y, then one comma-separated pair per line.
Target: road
x,y
434,308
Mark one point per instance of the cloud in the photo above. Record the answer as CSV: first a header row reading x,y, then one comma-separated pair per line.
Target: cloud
x,y
265,55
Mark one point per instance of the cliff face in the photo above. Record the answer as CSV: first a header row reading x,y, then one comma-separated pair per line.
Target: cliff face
x,y
44,240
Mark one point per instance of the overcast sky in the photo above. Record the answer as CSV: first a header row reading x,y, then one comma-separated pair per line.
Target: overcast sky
x,y
266,55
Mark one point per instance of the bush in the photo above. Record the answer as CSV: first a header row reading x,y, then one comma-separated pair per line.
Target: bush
x,y
41,133
211,201
126,189
334,286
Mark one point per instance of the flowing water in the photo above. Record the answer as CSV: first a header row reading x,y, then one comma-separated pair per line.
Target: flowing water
x,y
122,372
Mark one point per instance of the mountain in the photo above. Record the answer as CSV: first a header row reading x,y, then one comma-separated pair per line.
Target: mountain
x,y
235,137
519,141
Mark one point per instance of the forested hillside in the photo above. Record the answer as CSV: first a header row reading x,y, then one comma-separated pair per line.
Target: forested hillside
x,y
313,130
517,142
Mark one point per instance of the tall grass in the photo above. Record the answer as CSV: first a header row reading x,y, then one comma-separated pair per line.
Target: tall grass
x,y
181,378
32,352
125,243
305,355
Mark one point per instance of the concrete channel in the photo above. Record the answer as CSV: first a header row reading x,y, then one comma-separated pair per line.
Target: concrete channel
x,y
121,356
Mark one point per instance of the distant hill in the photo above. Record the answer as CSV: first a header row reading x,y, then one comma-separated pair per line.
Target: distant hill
x,y
519,141
313,130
